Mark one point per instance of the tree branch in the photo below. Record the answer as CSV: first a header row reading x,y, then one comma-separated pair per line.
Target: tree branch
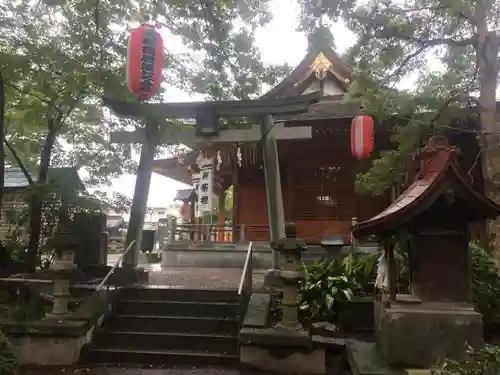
x,y
405,62
19,162
389,32
76,100
43,100
427,42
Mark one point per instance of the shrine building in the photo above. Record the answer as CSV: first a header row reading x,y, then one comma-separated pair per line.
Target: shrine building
x,y
317,174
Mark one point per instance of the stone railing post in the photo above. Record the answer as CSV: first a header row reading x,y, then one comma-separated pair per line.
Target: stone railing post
x,y
65,244
172,229
354,244
290,249
243,233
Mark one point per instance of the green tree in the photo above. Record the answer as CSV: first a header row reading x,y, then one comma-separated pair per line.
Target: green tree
x,y
396,42
59,57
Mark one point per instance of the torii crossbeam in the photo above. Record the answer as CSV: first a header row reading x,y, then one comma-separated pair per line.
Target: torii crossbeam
x,y
207,115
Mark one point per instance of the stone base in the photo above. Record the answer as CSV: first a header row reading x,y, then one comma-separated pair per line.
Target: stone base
x,y
419,335
364,359
281,350
211,255
58,342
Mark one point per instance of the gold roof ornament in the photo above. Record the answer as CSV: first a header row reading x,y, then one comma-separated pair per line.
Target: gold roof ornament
x,y
320,66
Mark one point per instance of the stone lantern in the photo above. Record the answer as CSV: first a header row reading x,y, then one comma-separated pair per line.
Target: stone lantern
x,y
65,245
290,249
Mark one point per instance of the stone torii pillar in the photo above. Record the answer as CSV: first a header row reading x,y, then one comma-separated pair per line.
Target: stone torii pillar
x,y
141,194
207,115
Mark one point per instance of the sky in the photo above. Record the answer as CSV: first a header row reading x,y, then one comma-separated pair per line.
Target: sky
x,y
278,43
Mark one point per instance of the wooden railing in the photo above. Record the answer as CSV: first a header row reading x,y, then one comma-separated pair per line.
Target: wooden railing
x,y
220,234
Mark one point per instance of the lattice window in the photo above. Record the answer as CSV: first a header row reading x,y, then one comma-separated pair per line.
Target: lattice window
x,y
323,192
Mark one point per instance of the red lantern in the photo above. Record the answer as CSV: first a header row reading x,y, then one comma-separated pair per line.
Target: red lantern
x,y
144,61
361,136
184,211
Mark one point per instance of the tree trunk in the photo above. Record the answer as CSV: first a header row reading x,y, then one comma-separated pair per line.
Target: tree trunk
x,y
488,68
36,201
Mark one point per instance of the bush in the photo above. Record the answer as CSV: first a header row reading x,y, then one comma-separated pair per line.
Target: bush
x,y
324,283
329,280
341,277
482,361
8,360
485,283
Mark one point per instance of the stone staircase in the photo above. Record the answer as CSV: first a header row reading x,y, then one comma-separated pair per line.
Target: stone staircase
x,y
160,326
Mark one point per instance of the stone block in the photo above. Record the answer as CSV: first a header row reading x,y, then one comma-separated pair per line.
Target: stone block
x,y
49,342
421,335
284,360
281,350
257,314
365,359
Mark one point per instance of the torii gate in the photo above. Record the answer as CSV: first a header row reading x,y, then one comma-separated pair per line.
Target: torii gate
x,y
207,115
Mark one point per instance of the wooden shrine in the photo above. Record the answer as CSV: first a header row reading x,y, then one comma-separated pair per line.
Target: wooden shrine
x,y
437,319
208,129
317,173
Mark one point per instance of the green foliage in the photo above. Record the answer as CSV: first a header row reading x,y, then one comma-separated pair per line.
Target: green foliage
x,y
60,57
322,287
485,283
480,361
418,60
34,308
52,195
329,280
8,360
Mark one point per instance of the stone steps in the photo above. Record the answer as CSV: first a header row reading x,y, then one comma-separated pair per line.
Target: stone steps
x,y
166,326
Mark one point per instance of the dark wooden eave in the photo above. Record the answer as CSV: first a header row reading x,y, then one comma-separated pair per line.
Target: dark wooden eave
x,y
225,109
429,185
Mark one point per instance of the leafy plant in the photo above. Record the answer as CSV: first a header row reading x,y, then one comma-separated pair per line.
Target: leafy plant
x,y
482,361
485,283
324,283
8,359
361,269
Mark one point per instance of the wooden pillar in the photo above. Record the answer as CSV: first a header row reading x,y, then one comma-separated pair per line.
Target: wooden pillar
x,y
141,193
273,184
221,218
191,219
236,206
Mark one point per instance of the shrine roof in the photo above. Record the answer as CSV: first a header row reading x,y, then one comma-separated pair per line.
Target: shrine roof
x,y
439,161
15,178
173,169
316,60
184,194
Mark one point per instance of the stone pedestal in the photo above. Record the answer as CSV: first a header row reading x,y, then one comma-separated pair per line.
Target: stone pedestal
x,y
432,331
65,245
290,249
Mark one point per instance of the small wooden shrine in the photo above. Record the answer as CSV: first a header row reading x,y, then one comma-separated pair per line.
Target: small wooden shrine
x,y
437,319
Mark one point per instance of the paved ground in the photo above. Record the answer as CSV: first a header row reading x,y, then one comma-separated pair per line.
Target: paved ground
x,y
219,278
187,277
137,371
